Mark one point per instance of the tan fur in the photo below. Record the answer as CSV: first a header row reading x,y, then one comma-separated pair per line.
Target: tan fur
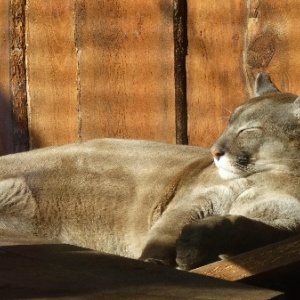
x,y
166,203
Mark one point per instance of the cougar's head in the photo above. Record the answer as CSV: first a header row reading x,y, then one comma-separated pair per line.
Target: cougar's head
x,y
263,134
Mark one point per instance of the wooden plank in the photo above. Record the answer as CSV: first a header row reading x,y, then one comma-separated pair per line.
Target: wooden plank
x,y
215,80
275,266
52,72
265,259
58,270
18,76
125,58
6,141
272,42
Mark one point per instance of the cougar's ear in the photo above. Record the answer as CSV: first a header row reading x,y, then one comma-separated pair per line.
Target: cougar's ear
x,y
264,85
296,108
297,101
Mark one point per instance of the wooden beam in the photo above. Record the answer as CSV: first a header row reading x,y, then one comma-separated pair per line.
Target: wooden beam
x,y
266,266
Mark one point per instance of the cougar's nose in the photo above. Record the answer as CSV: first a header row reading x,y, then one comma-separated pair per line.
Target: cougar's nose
x,y
217,152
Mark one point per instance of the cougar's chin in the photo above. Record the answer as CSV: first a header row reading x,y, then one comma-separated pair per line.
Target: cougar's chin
x,y
226,170
227,175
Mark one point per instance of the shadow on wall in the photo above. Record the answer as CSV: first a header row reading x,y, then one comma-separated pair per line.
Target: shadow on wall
x,y
6,129
14,135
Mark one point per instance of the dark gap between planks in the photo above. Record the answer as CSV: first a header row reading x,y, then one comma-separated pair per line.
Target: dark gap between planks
x,y
180,52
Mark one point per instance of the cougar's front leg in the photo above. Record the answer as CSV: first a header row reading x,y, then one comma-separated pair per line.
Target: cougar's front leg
x,y
161,241
203,241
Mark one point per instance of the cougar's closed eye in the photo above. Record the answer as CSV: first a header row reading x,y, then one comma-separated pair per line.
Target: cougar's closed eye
x,y
249,130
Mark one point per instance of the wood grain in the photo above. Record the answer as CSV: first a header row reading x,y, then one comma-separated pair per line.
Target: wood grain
x,y
274,266
125,58
18,76
216,84
106,68
253,263
272,42
52,72
6,135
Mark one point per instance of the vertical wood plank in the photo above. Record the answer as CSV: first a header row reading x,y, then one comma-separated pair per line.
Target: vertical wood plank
x,y
126,55
52,72
215,78
6,140
272,42
18,76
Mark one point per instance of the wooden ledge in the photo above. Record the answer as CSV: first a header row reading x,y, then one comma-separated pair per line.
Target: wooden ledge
x,y
36,268
275,266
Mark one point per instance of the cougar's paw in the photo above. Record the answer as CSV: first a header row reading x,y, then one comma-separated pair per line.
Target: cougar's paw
x,y
196,245
190,251
159,253
157,261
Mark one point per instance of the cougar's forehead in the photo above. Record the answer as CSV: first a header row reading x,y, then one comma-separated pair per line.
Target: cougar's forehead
x,y
248,112
264,109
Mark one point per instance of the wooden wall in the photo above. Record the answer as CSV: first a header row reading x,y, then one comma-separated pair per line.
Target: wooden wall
x,y
229,43
6,135
79,69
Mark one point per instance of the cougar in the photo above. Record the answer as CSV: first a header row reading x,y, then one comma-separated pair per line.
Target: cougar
x,y
177,205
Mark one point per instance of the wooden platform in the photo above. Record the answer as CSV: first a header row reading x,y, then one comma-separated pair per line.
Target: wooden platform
x,y
275,266
32,268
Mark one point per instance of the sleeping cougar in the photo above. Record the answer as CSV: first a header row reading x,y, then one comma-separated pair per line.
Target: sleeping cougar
x,y
166,203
